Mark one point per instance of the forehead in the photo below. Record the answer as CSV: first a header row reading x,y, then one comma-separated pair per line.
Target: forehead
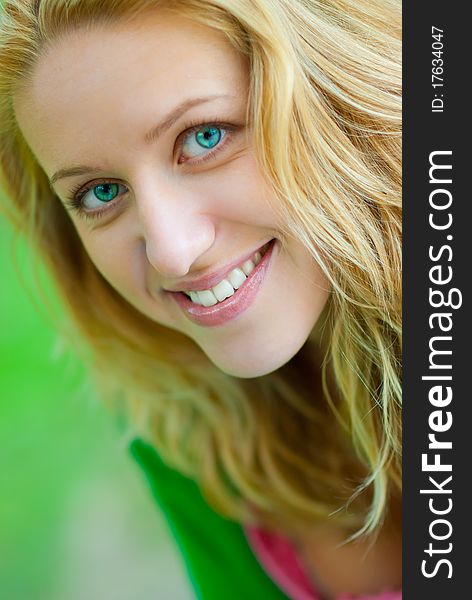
x,y
123,76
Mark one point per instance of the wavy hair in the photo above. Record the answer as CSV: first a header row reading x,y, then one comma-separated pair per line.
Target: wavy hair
x,y
320,437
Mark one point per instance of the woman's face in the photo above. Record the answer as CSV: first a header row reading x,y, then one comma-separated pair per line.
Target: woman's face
x,y
141,129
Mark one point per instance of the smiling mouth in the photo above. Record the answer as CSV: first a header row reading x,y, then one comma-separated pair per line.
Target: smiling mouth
x,y
228,286
224,301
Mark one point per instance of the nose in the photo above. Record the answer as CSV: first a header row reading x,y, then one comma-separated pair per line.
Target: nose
x,y
175,230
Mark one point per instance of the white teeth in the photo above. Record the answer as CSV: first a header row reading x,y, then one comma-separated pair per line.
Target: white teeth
x,y
236,278
194,297
223,290
248,267
207,298
226,287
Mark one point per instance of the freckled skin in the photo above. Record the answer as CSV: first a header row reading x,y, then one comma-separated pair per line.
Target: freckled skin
x,y
94,96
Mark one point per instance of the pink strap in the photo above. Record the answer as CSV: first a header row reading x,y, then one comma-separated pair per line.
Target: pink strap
x,y
281,562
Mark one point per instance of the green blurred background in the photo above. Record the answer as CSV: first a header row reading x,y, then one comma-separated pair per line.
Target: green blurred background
x,y
76,518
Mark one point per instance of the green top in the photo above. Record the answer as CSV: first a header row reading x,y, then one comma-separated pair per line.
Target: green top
x,y
216,553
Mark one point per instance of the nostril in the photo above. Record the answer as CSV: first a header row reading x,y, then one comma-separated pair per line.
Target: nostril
x,y
175,233
173,256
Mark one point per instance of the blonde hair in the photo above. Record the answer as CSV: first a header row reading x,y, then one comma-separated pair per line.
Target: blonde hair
x,y
325,112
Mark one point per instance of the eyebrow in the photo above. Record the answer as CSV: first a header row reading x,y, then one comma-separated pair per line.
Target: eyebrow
x,y
170,119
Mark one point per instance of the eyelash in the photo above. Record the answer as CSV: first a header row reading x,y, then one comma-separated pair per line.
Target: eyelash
x,y
76,194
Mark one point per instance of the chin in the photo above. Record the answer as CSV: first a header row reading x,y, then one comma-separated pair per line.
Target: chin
x,y
245,370
257,360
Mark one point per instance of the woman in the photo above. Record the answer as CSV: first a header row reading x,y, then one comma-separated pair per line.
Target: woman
x,y
215,187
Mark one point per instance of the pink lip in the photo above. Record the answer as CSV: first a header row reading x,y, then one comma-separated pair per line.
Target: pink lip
x,y
208,281
229,309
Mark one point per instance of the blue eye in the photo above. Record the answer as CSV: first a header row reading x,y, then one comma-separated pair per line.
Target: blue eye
x,y
199,141
208,137
101,194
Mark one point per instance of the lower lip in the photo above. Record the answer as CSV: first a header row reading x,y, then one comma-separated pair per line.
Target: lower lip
x,y
232,307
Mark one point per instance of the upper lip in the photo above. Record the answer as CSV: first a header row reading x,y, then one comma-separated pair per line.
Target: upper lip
x,y
206,282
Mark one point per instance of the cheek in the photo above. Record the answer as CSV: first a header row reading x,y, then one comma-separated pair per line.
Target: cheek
x,y
116,256
239,193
